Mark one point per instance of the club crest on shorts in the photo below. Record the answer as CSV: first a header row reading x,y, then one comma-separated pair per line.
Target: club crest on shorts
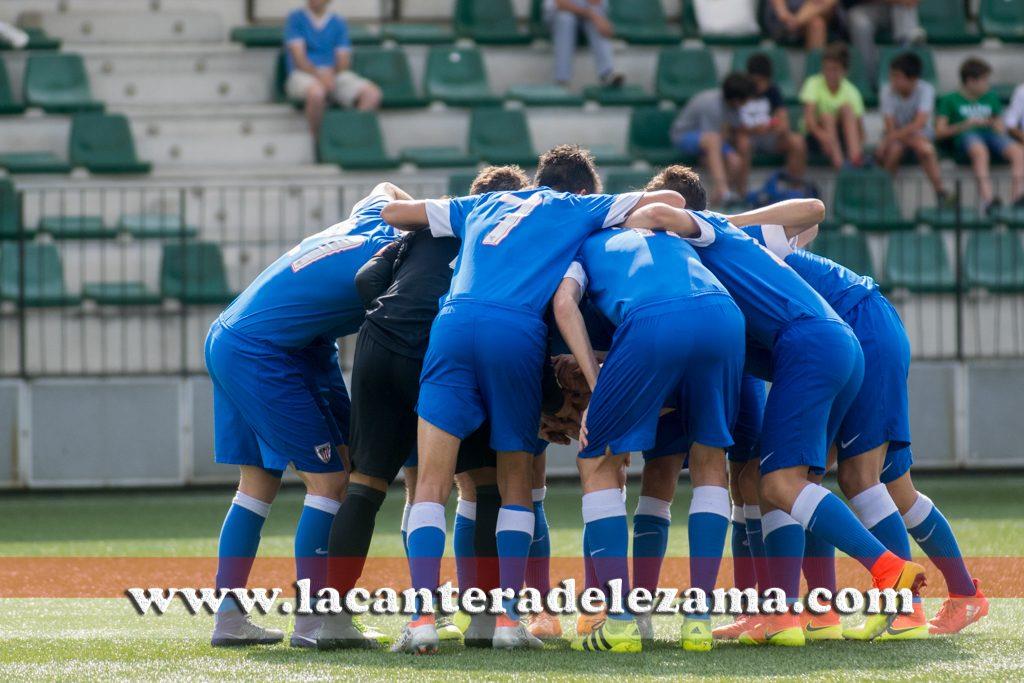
x,y
323,451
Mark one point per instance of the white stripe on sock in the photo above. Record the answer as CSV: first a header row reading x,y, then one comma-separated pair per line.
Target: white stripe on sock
x,y
539,494
251,504
751,512
807,502
424,515
873,505
328,505
466,508
710,499
655,507
603,503
919,511
737,514
774,520
515,520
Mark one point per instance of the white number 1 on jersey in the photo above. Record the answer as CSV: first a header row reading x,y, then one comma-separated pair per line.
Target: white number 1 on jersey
x,y
509,222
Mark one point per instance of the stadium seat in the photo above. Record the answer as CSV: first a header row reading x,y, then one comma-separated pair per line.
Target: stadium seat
x,y
37,40
623,96
58,83
103,143
155,226
642,22
945,218
538,26
609,155
457,76
847,249
10,212
866,198
76,227
352,139
33,162
43,278
857,74
270,35
437,157
501,136
917,261
1003,19
120,294
489,22
995,261
8,105
194,273
649,136
362,35
887,54
418,34
780,66
459,183
683,72
544,95
617,182
389,69
1011,216
945,22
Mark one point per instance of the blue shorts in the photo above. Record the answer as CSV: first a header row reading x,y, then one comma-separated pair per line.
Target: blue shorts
x,y
272,408
747,432
689,144
685,350
996,143
818,367
485,362
881,410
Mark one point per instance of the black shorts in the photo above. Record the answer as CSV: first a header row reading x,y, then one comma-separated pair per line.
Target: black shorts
x,y
385,390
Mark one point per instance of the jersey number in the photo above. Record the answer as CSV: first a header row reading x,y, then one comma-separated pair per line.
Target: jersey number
x,y
509,222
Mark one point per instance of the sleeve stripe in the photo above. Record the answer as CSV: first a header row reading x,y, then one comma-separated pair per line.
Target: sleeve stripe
x,y
707,231
577,273
775,240
439,217
621,206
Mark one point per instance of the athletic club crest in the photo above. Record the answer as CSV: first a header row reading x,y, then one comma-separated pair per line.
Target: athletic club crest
x,y
323,451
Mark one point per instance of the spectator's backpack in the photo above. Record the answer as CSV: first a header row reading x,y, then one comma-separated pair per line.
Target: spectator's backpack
x,y
779,187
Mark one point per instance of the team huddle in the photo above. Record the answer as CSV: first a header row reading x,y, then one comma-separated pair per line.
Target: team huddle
x,y
544,311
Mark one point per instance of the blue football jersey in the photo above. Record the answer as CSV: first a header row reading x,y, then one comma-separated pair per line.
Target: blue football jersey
x,y
839,286
770,293
309,292
517,245
625,269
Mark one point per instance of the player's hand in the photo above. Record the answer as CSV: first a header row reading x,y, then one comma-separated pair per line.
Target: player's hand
x,y
569,374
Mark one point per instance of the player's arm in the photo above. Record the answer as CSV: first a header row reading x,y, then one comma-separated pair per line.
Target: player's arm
x,y
391,190
805,238
796,214
377,274
661,216
406,214
566,306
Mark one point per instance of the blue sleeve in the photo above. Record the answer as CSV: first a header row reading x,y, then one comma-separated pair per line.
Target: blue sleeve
x,y
293,27
606,210
755,232
342,40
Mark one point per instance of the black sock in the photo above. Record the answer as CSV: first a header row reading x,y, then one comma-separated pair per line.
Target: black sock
x,y
485,540
351,533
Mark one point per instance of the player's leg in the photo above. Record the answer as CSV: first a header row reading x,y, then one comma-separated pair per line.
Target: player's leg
x,y
538,568
464,532
480,632
411,471
324,491
819,568
743,568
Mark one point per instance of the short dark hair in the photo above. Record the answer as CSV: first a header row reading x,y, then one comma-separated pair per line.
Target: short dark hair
x,y
499,179
907,63
837,52
974,68
568,168
683,180
738,86
760,64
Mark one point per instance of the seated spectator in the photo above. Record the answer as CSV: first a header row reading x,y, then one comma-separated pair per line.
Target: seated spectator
x,y
833,109
791,20
704,125
907,103
867,18
1013,118
970,117
764,125
567,18
318,54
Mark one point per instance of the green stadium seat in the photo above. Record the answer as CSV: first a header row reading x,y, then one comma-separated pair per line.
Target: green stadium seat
x,y
622,96
103,143
945,218
1004,91
389,69
649,139
363,36
459,183
267,35
8,105
37,40
419,34
683,72
194,273
886,55
866,198
609,155
544,95
155,226
857,75
1003,19
847,249
489,22
457,76
353,140
10,212
995,261
437,157
538,26
617,182
501,136
33,162
76,227
780,66
917,261
945,22
43,279
120,294
642,22
58,83
1011,216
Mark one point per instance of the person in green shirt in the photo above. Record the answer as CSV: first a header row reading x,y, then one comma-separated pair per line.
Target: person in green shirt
x,y
833,109
970,118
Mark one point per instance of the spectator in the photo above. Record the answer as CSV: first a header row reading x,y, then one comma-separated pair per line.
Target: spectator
x,y
764,125
566,18
319,53
791,20
1013,118
833,109
704,125
970,116
907,103
867,18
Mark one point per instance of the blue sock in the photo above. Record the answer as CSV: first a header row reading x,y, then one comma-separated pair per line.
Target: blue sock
x,y
514,535
464,546
819,563
784,550
932,532
755,540
708,522
426,547
589,575
877,511
405,528
239,540
312,536
742,562
822,513
651,522
604,514
538,567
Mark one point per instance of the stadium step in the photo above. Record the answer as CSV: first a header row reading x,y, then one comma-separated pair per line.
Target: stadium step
x,y
544,95
120,294
106,27
438,157
155,226
59,84
419,34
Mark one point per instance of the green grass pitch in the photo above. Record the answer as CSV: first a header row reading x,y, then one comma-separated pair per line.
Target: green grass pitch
x,y
103,639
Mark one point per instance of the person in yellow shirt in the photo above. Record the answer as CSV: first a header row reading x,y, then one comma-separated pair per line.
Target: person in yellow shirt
x,y
834,109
